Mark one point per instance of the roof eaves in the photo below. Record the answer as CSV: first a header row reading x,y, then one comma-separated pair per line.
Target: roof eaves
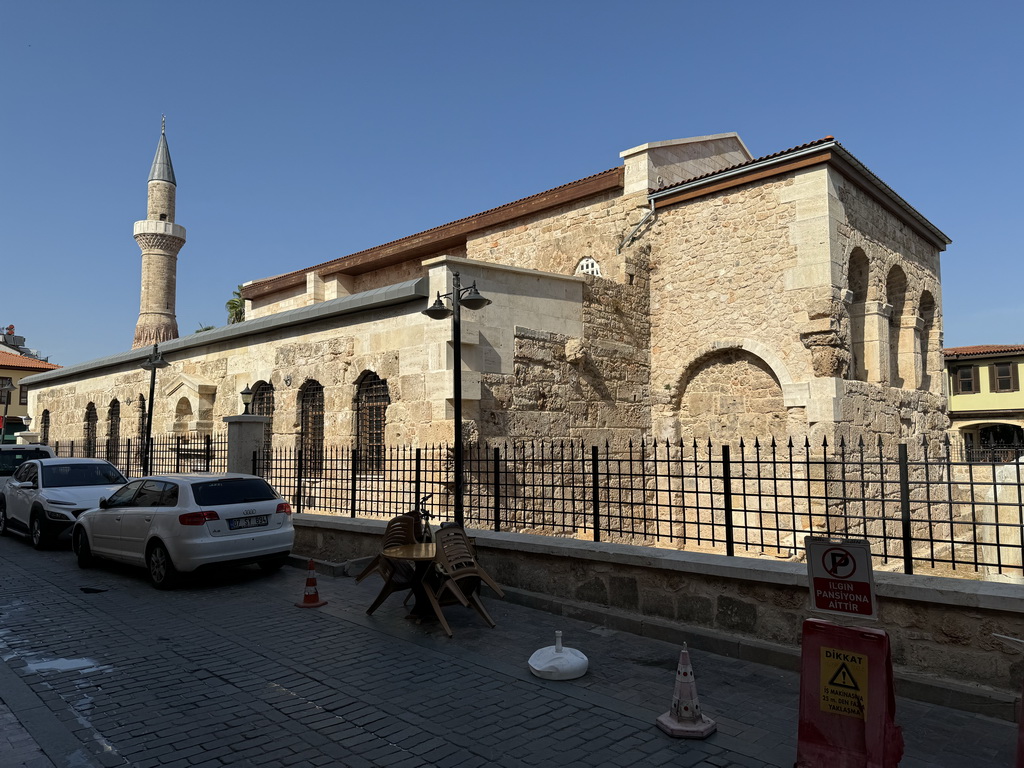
x,y
804,151
385,296
983,350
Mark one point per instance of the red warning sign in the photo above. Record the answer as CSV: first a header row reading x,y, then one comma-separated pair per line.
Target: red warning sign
x,y
840,576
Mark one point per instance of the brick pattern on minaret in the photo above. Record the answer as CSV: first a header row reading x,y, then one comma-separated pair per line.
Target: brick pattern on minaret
x,y
160,240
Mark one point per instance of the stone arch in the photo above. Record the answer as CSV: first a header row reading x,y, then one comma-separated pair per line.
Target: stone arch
x,y
370,414
900,346
929,339
89,430
734,389
858,281
263,405
113,430
183,413
311,425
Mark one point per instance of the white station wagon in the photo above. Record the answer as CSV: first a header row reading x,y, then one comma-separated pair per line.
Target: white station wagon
x,y
178,523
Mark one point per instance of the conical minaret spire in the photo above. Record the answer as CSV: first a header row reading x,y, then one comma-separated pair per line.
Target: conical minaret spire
x,y
160,240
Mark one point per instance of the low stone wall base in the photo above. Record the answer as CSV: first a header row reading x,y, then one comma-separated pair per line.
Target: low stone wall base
x,y
940,629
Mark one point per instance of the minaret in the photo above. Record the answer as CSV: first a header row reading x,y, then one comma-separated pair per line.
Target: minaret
x,y
160,240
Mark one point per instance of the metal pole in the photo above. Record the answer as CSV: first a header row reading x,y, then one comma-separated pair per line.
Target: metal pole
x,y
457,394
149,421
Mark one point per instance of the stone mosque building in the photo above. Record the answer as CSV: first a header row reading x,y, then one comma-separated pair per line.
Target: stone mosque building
x,y
692,291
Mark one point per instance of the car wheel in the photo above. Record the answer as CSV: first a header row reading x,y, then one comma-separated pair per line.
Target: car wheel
x,y
80,543
162,572
38,534
272,564
4,524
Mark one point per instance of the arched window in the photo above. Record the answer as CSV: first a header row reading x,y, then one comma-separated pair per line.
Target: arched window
x,y
858,284
113,431
263,405
896,297
182,415
90,430
370,407
311,421
44,428
588,266
930,353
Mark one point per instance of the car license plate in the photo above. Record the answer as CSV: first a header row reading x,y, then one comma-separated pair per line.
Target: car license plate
x,y
247,522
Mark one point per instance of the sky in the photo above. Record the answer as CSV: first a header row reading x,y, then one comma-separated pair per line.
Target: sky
x,y
304,131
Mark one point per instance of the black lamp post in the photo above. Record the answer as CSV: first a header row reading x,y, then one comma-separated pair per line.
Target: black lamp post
x,y
7,389
459,297
246,399
151,363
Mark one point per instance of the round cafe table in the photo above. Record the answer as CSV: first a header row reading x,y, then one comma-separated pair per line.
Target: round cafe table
x,y
421,555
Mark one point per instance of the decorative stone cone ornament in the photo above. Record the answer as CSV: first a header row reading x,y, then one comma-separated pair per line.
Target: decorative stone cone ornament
x,y
557,663
685,720
311,598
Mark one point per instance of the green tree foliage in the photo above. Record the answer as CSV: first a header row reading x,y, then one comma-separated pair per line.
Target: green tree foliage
x,y
235,307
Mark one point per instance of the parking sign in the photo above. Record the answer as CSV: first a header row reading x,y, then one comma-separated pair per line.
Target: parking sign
x,y
840,576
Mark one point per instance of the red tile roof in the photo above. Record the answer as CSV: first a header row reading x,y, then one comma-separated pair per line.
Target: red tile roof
x,y
983,350
12,360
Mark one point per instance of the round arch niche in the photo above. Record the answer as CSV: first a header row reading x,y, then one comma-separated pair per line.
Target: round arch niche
x,y
729,394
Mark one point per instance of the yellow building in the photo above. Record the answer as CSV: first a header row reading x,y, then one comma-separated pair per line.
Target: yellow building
x,y
986,404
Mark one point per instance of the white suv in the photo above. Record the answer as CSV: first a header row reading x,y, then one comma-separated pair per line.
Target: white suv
x,y
44,497
178,523
13,456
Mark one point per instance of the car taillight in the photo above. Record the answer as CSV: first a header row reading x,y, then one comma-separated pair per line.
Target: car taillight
x,y
285,507
197,518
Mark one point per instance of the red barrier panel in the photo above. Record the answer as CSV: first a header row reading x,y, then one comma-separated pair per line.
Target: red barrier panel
x,y
847,702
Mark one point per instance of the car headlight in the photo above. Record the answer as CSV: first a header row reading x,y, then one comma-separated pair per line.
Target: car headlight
x,y
60,515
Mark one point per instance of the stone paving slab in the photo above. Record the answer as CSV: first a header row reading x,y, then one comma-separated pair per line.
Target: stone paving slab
x,y
100,669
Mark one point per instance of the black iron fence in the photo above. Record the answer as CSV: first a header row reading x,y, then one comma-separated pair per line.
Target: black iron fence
x,y
923,508
170,453
920,509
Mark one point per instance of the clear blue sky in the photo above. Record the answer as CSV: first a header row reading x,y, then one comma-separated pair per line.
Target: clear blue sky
x,y
304,131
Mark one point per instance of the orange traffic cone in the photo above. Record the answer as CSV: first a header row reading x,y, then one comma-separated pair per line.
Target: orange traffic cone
x,y
311,598
684,719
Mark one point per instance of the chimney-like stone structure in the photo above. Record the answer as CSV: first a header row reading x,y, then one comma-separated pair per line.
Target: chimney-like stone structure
x,y
160,240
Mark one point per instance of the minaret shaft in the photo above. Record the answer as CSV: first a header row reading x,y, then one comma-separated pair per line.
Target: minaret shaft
x,y
160,240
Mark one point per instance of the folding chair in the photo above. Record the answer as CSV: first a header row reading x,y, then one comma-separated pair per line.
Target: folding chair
x,y
397,575
459,576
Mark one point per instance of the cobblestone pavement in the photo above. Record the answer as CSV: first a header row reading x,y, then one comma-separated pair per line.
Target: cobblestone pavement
x,y
100,669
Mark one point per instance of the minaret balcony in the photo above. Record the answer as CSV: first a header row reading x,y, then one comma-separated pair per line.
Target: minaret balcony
x,y
154,227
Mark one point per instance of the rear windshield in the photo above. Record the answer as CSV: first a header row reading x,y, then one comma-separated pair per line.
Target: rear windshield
x,y
237,490
75,475
11,460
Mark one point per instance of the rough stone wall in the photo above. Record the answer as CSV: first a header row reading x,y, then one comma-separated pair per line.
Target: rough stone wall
x,y
557,240
764,268
592,388
718,267
322,352
732,393
889,243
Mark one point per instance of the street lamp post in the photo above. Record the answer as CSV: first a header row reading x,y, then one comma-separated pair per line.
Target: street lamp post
x,y
151,363
459,297
7,388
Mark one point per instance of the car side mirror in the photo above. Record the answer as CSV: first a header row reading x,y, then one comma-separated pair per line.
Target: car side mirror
x,y
103,502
